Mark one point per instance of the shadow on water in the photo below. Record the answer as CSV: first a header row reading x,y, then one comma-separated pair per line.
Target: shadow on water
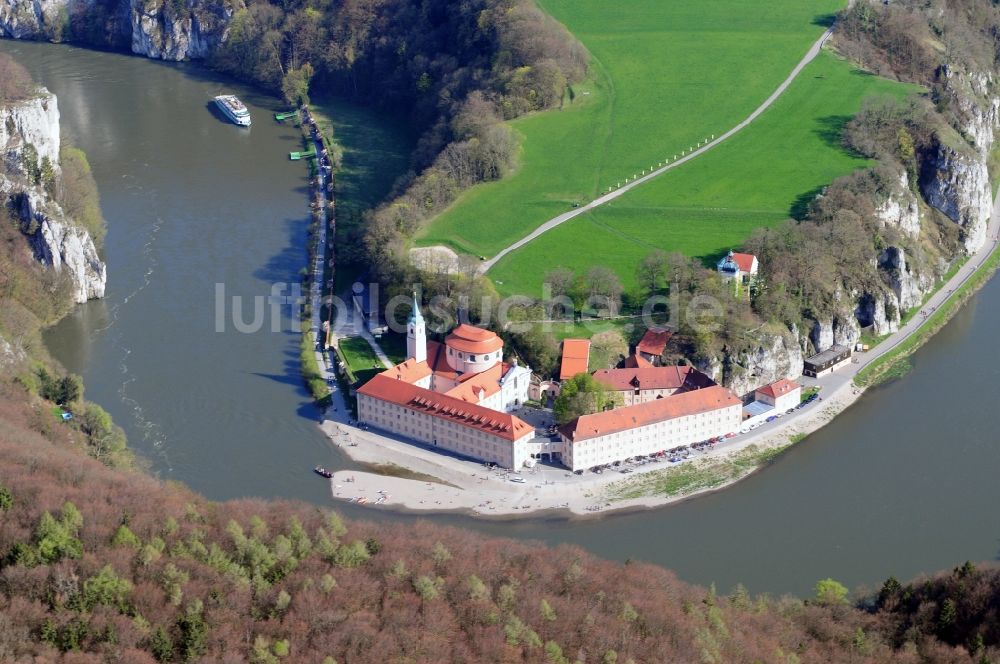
x,y
287,264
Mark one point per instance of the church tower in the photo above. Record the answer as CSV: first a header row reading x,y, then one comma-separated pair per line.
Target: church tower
x,y
416,334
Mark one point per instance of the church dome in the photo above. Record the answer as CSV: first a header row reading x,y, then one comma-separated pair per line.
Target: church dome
x,y
475,340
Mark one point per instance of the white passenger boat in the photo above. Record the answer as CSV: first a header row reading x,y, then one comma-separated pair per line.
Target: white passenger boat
x,y
233,109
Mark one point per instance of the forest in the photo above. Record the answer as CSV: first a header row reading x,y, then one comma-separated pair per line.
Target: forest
x,y
101,564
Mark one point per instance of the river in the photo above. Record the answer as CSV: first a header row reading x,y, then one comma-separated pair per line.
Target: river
x,y
903,482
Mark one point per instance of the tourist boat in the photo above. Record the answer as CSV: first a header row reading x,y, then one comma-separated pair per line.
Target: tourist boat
x,y
323,472
233,109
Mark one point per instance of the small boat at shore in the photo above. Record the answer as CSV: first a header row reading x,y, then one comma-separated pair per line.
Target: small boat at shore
x,y
234,109
323,472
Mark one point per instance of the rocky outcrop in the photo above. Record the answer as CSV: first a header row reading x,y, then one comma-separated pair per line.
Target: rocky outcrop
x,y
56,242
11,353
958,184
879,312
975,106
30,19
908,286
165,30
900,209
29,136
954,178
841,328
178,35
776,355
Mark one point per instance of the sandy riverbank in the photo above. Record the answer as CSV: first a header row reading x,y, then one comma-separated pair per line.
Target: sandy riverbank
x,y
469,487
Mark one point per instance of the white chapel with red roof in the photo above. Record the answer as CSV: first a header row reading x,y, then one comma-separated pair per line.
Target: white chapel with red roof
x,y
742,267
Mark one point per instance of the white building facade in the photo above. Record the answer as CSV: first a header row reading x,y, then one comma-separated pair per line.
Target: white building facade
x,y
456,396
650,427
445,422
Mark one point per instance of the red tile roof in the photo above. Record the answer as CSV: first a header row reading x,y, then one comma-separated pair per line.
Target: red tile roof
x,y
650,412
575,357
421,400
779,388
471,339
469,388
438,361
653,378
654,341
743,261
409,371
635,361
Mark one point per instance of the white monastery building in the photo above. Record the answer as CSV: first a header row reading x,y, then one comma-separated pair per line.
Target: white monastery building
x,y
650,427
456,395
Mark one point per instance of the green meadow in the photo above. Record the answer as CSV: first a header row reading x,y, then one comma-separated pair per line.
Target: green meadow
x,y
759,177
665,74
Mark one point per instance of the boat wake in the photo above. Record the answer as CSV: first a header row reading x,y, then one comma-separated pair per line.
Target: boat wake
x,y
153,439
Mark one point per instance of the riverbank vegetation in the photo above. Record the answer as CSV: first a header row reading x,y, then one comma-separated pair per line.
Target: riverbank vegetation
x,y
693,476
109,565
34,390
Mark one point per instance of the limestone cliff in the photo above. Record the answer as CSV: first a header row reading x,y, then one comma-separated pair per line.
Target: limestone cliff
x,y
841,328
161,29
954,176
900,208
773,356
956,182
167,34
29,138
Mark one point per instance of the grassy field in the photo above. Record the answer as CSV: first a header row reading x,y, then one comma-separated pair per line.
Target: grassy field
x,y
665,74
759,177
360,358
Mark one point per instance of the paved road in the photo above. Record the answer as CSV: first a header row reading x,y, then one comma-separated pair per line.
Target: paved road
x,y
843,379
566,216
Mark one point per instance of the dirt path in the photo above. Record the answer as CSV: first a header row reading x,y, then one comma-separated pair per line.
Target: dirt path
x,y
566,216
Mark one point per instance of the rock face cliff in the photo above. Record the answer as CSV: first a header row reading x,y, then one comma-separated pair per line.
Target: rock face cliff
x,y
775,355
958,184
161,29
165,34
29,137
955,179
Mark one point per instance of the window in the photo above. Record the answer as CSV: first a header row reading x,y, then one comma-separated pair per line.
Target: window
x,y
472,358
